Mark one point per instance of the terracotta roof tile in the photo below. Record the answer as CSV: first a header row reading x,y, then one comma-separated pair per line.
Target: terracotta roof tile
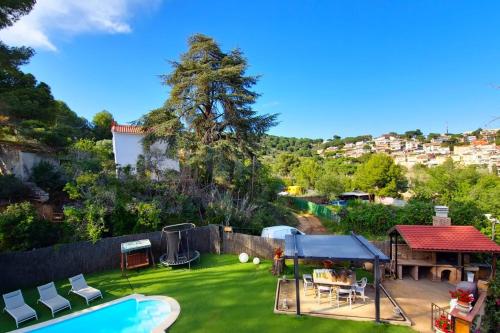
x,y
446,238
130,129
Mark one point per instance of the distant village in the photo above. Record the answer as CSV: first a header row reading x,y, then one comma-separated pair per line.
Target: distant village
x,y
470,148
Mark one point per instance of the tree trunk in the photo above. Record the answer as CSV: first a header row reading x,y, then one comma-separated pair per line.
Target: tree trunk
x,y
278,266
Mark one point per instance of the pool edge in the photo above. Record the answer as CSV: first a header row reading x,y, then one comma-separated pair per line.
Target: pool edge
x,y
175,310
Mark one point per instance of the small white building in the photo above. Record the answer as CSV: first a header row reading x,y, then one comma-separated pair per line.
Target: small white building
x,y
128,147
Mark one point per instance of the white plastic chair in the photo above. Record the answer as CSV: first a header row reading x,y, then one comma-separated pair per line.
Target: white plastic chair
x,y
80,287
359,288
17,308
347,294
327,291
308,282
51,299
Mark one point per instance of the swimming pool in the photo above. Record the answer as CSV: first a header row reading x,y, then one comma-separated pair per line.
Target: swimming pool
x,y
131,314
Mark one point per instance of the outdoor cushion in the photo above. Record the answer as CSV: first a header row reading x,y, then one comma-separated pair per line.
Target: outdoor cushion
x,y
47,291
13,299
89,292
78,282
22,312
56,302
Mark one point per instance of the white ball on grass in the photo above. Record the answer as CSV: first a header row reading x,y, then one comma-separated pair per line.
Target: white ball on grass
x,y
243,257
256,260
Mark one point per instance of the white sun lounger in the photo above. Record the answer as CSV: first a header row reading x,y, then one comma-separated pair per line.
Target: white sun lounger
x,y
50,298
79,286
17,308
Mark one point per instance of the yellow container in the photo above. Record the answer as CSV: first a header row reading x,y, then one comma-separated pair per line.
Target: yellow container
x,y
295,190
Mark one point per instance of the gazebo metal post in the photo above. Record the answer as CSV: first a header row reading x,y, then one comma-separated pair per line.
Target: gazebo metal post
x,y
494,265
377,288
297,291
396,258
461,265
296,273
390,245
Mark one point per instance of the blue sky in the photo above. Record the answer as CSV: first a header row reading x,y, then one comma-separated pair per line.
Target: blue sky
x,y
328,67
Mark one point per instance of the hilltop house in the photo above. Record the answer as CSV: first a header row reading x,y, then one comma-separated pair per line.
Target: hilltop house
x,y
127,147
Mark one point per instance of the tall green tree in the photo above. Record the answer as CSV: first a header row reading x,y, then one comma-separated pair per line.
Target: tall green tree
x,y
12,10
285,163
101,123
211,92
212,95
307,173
381,176
28,111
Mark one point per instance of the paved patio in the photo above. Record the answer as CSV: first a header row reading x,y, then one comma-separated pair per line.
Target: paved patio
x,y
360,310
415,298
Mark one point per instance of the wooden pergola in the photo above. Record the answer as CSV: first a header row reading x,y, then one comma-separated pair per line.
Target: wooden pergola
x,y
333,247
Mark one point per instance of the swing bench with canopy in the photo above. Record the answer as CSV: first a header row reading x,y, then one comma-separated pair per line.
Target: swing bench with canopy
x,y
176,244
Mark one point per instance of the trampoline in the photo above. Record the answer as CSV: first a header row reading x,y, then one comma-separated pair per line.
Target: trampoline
x,y
176,245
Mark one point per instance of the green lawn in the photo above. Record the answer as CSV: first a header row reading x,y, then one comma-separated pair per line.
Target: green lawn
x,y
218,295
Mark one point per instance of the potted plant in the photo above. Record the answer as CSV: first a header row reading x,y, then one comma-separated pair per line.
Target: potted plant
x,y
443,324
464,299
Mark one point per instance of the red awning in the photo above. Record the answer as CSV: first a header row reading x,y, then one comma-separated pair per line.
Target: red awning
x,y
446,239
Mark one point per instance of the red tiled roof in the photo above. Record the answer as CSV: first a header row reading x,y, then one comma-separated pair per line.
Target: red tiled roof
x,y
479,142
446,238
130,129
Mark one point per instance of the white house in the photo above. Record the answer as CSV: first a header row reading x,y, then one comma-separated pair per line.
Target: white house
x,y
127,147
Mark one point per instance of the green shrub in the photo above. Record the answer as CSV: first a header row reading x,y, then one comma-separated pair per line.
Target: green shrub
x,y
368,218
22,229
415,212
12,189
467,213
47,176
491,319
269,214
376,219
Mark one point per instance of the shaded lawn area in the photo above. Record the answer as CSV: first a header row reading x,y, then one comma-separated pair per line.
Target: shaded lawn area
x,y
218,295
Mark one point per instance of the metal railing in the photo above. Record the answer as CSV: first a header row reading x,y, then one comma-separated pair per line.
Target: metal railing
x,y
437,312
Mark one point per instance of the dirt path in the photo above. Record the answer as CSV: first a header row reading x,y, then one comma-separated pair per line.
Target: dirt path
x,y
310,224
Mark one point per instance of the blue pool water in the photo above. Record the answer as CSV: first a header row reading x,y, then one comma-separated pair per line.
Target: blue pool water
x,y
129,316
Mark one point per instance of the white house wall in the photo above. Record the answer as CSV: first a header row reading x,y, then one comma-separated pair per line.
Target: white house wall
x,y
127,147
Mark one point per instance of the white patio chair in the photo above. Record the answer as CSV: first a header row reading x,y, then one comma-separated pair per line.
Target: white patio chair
x,y
347,294
328,292
308,282
17,308
51,299
79,286
359,288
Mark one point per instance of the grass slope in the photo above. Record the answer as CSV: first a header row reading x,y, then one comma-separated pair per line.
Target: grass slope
x,y
218,295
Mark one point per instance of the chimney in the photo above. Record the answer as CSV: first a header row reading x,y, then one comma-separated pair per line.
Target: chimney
x,y
441,219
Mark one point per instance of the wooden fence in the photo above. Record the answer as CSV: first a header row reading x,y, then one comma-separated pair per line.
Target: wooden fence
x,y
30,268
254,246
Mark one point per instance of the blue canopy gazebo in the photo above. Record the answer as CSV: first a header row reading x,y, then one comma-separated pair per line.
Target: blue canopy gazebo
x,y
334,247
